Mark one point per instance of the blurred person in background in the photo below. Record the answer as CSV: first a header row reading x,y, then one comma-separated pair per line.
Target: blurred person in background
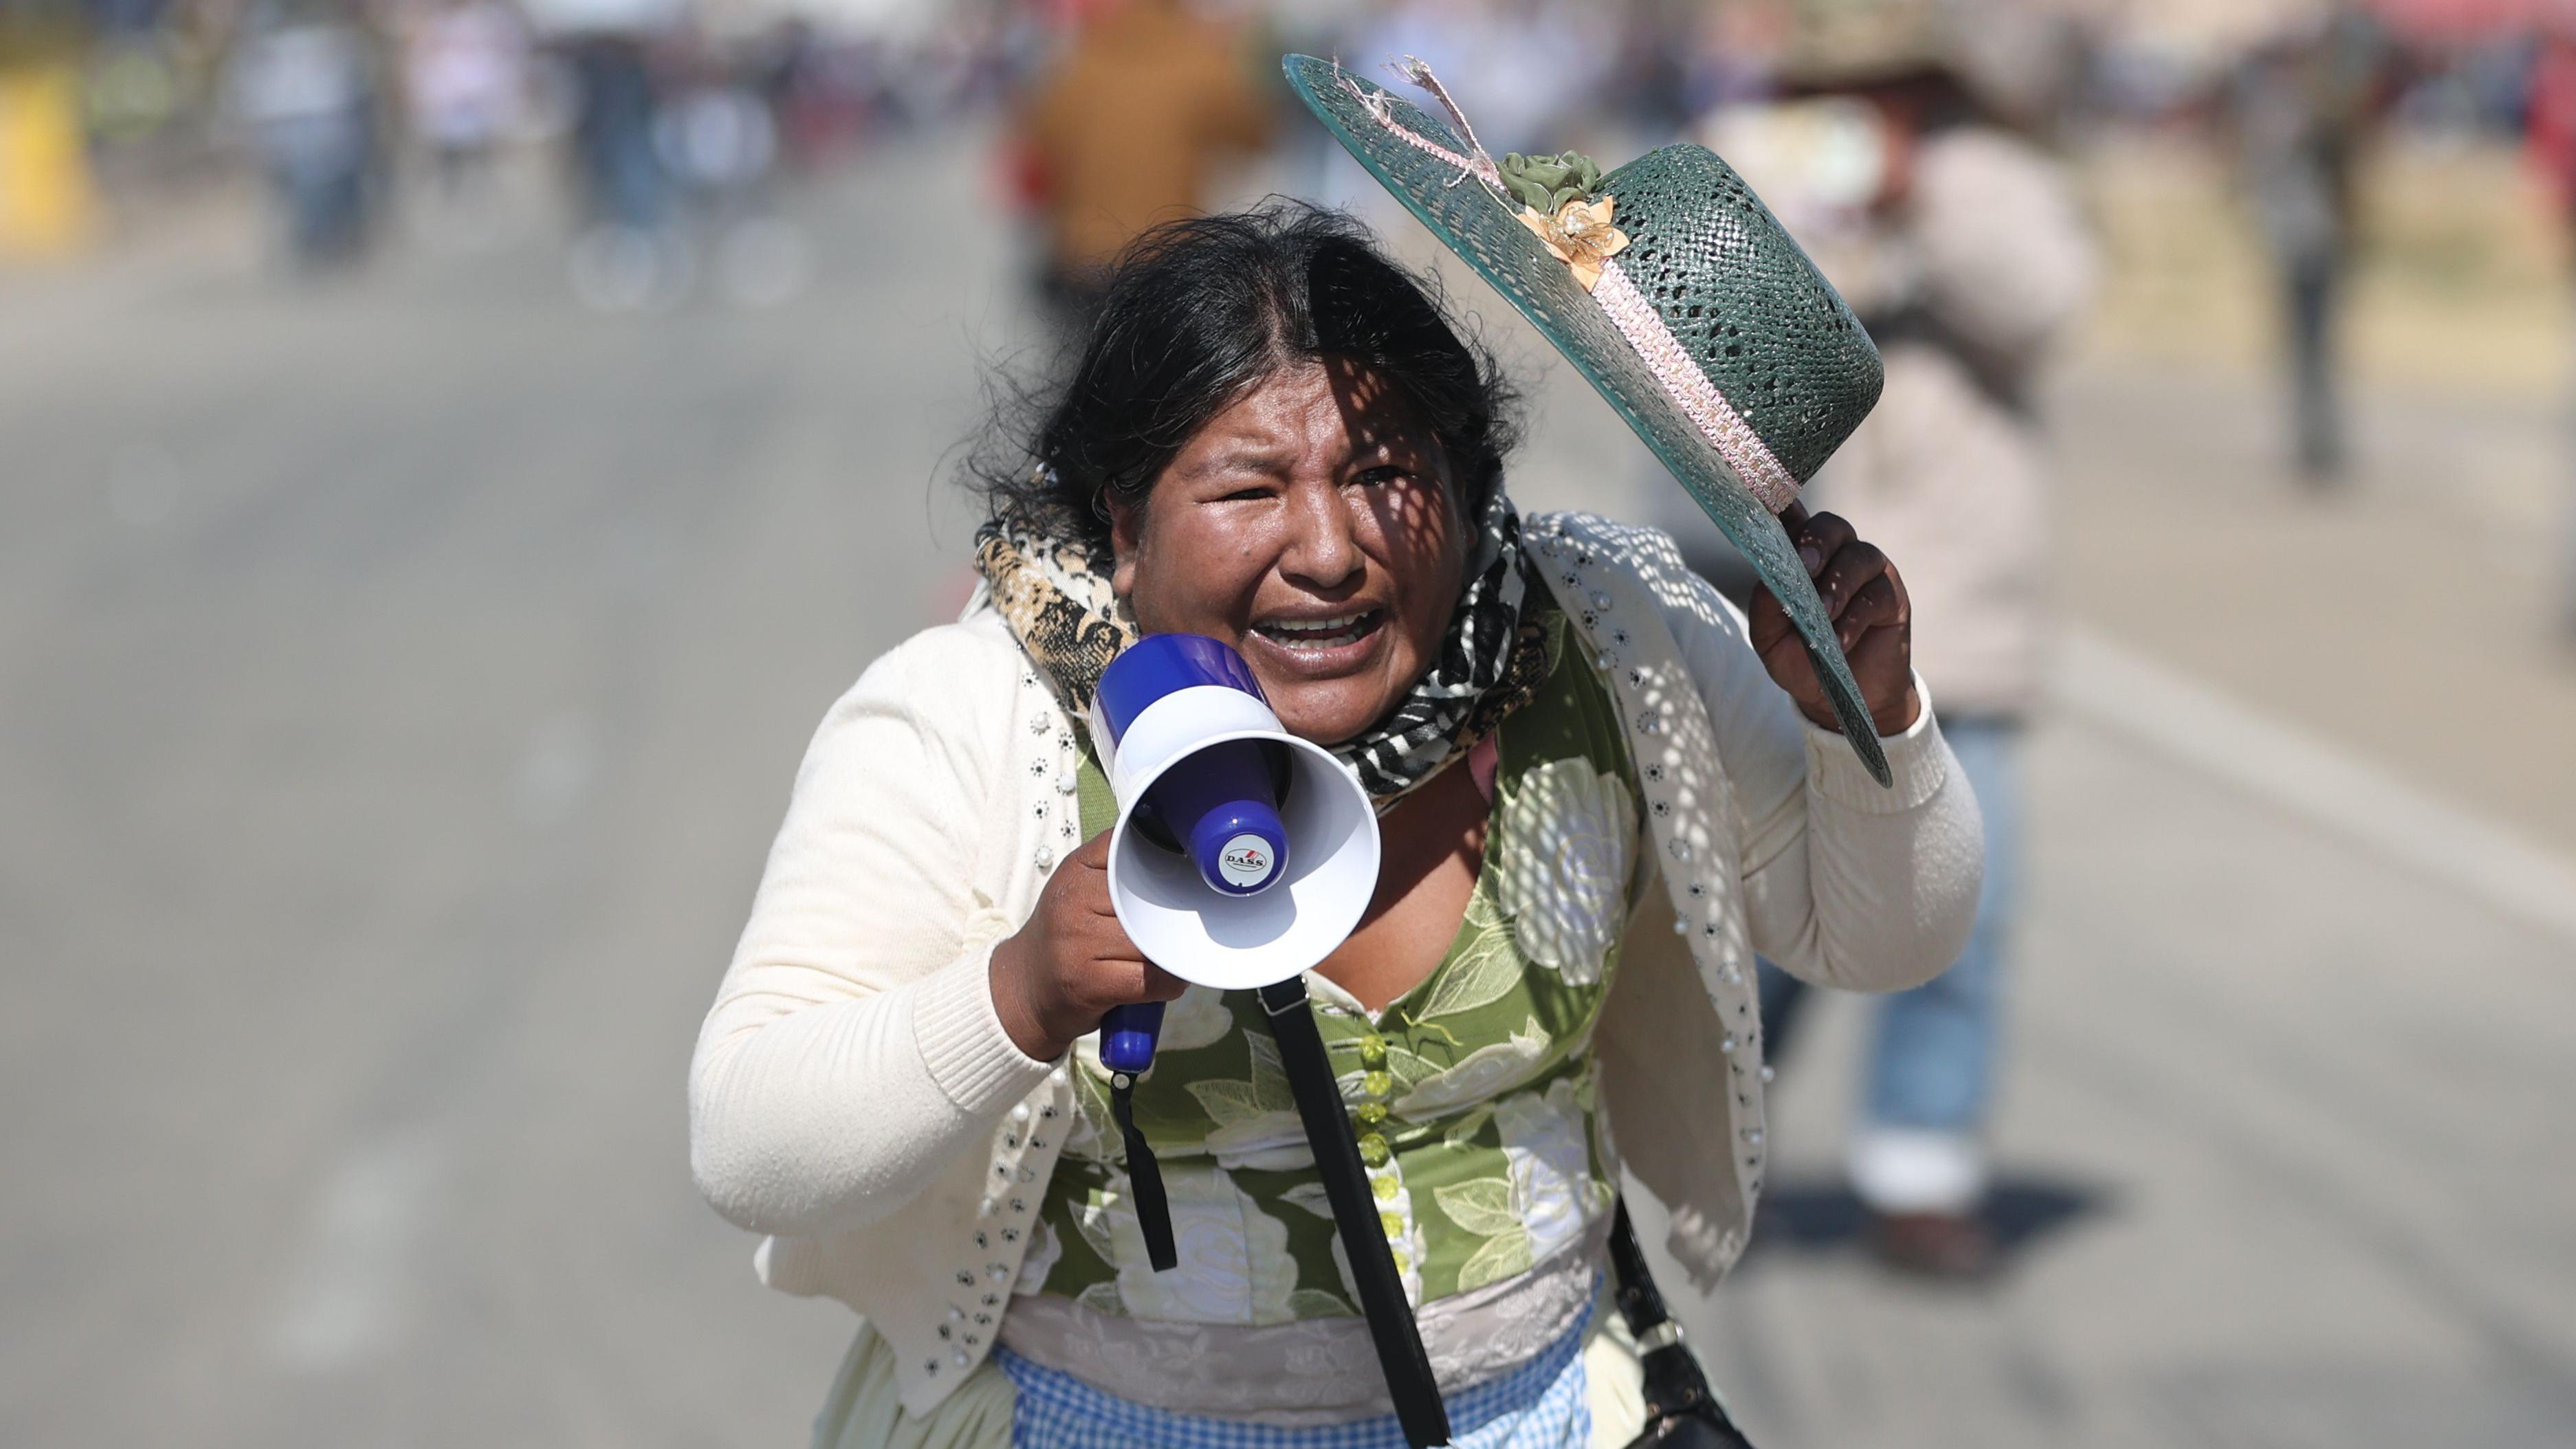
x,y
305,81
718,140
1901,158
1127,128
48,195
465,77
818,88
2302,106
1729,54
2551,119
623,182
627,255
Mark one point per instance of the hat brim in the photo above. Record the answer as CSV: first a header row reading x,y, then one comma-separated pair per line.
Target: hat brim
x,y
1486,233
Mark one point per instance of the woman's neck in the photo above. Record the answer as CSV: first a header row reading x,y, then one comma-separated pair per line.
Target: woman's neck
x,y
1431,849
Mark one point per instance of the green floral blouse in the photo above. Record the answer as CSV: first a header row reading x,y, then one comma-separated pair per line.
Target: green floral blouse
x,y
1472,1094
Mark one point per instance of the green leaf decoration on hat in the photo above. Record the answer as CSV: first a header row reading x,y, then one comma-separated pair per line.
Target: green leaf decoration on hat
x,y
1546,183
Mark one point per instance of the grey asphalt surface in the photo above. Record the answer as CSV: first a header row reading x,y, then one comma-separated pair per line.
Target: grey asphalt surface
x,y
399,681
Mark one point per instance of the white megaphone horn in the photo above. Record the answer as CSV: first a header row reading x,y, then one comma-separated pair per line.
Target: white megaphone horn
x,y
1242,855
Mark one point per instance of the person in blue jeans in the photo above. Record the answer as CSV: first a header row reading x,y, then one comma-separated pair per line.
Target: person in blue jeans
x,y
1963,249
1918,1158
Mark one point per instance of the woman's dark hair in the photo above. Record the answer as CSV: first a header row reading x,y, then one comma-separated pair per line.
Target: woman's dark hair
x,y
1199,312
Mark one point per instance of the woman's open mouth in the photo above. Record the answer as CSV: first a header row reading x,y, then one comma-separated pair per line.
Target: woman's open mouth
x,y
1323,643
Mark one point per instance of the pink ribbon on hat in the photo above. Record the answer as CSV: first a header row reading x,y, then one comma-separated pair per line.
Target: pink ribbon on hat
x,y
1629,310
1717,420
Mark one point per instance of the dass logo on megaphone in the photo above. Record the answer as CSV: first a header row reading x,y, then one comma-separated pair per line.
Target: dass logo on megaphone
x,y
1246,861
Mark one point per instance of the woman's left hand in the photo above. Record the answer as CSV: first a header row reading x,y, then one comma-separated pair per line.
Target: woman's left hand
x,y
1872,617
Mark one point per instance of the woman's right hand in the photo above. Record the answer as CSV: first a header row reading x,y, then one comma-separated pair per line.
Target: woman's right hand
x,y
1072,962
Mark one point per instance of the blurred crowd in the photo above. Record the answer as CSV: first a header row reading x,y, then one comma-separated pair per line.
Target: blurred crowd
x,y
671,128
669,123
662,109
657,102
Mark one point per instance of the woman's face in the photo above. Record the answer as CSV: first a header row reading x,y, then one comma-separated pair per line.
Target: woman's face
x,y
1315,528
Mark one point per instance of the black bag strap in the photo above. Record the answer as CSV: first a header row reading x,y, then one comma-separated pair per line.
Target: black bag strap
x,y
1639,1302
1355,1216
1676,1386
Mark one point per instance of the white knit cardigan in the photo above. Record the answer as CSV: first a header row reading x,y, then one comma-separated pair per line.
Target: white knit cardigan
x,y
855,1097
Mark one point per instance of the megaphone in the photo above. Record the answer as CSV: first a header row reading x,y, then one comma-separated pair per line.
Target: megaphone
x,y
1242,855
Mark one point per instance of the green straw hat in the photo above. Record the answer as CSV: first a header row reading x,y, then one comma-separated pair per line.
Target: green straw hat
x,y
1668,285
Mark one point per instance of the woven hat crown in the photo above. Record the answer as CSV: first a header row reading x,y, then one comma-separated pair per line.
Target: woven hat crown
x,y
1753,313
1746,303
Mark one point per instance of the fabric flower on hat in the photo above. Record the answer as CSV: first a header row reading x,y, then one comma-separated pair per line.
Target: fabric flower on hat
x,y
1545,184
1581,236
1557,202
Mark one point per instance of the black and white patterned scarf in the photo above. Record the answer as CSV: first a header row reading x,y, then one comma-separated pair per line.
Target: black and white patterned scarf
x,y
1055,596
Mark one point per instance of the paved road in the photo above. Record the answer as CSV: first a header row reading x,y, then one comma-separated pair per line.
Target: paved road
x,y
399,681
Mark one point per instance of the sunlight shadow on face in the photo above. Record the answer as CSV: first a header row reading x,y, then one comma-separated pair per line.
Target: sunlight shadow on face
x,y
1317,494
1417,514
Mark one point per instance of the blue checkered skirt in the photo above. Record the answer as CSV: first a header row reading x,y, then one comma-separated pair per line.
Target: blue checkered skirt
x,y
1540,1405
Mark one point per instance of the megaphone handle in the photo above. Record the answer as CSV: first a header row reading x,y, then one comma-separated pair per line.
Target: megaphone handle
x,y
1128,1035
1355,1215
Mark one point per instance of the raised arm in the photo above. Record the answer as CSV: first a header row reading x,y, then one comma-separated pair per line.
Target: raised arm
x,y
1846,883
853,1048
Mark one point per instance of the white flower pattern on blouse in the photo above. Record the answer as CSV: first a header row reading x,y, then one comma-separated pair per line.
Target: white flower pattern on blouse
x,y
1404,1239
1234,1264
1546,1196
1044,1249
1552,1185
1089,1137
1487,1072
1196,1019
1564,879
1257,1121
